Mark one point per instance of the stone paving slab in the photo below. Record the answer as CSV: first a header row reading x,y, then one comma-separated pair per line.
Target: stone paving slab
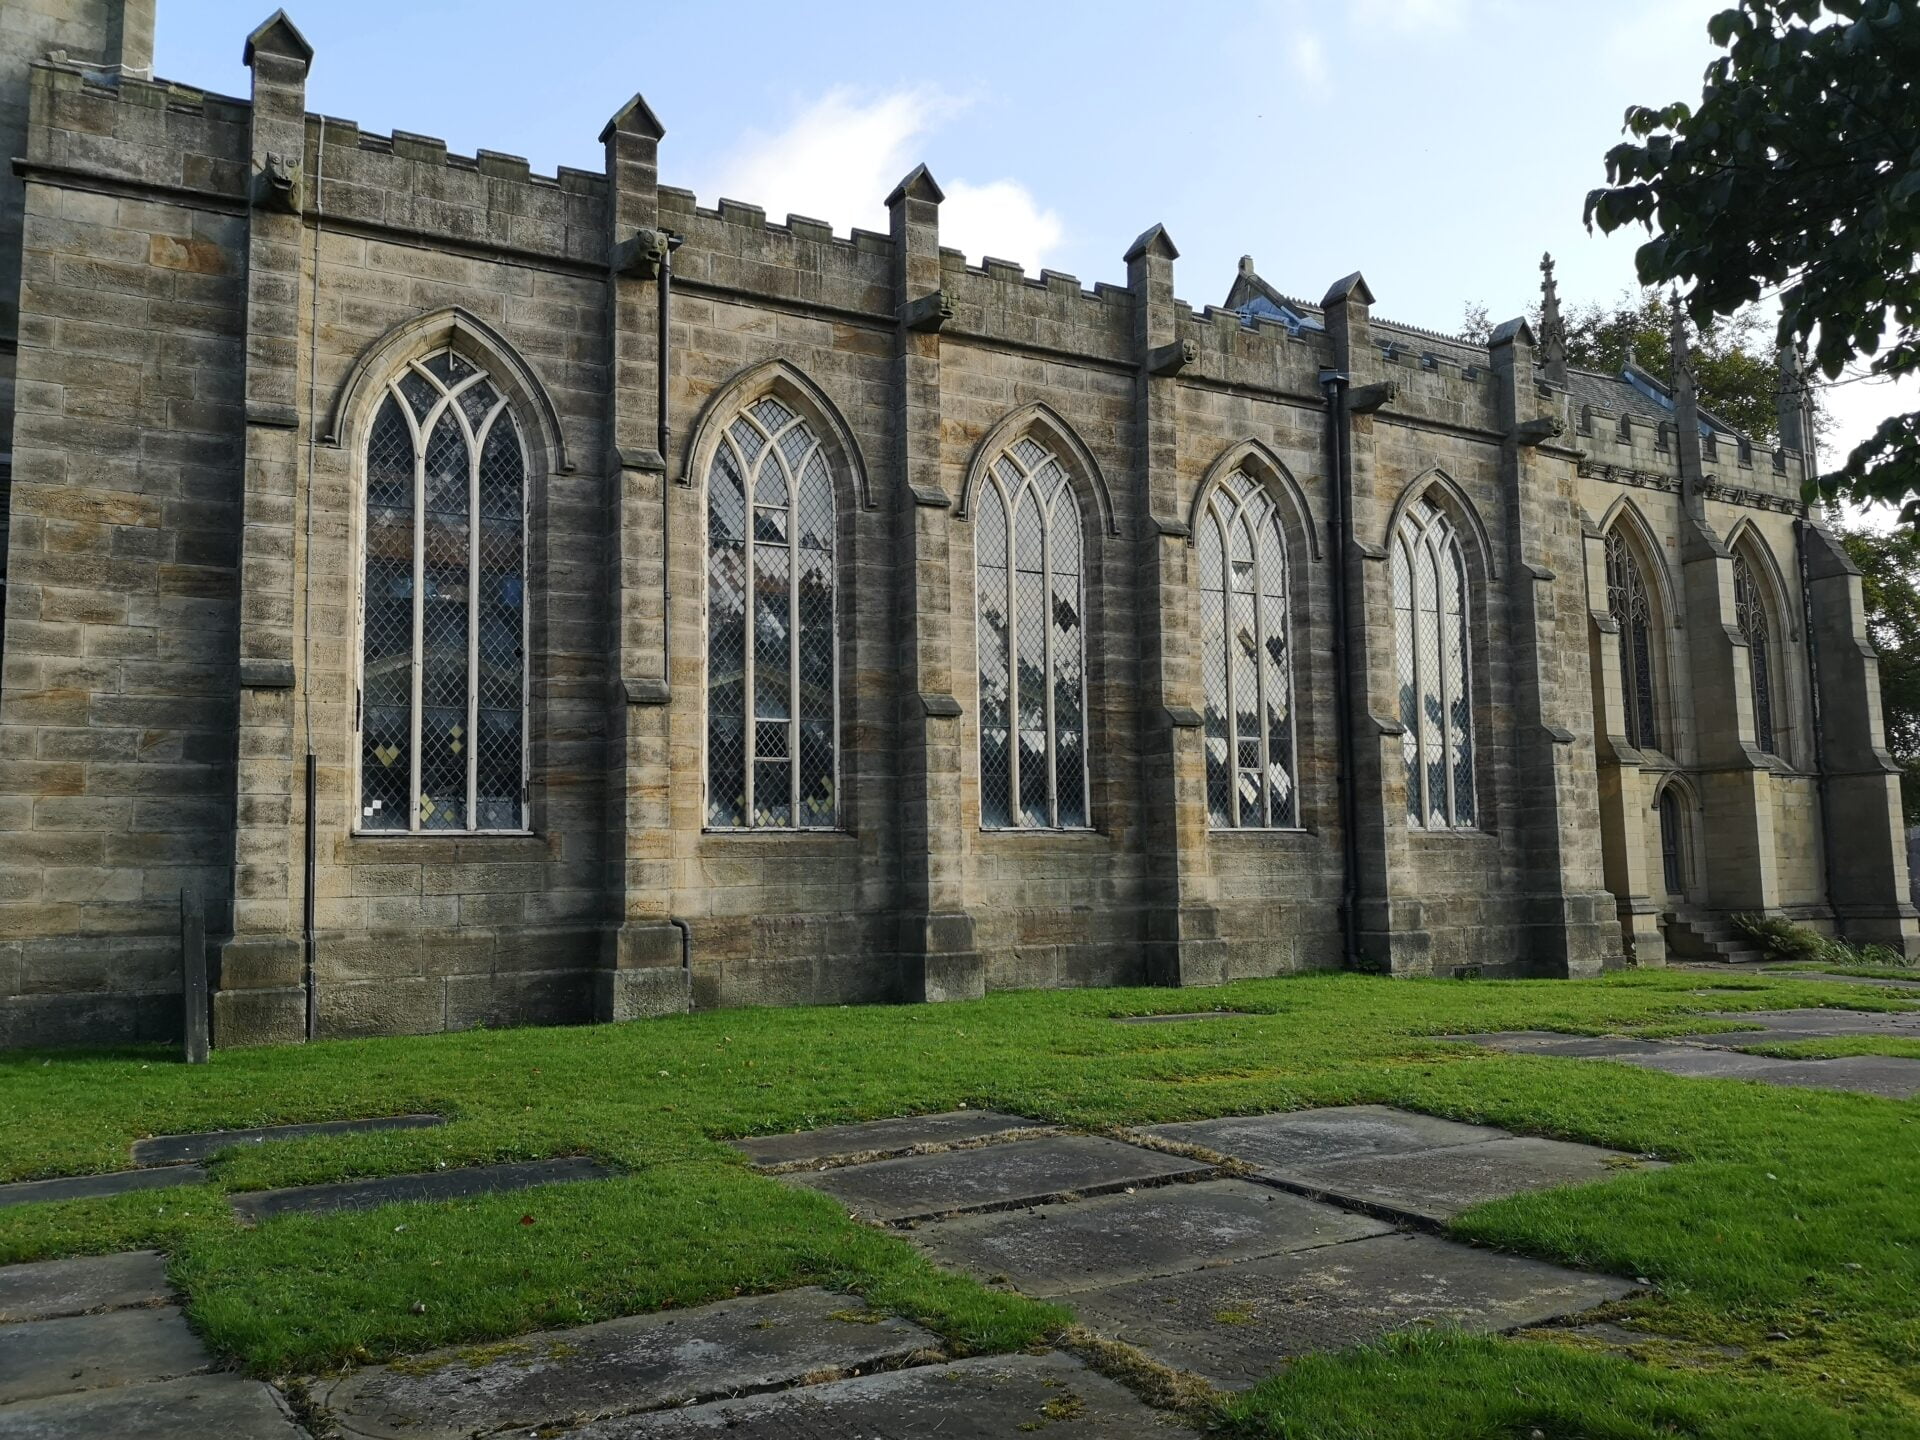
x,y
922,1187
1433,1186
51,1288
1715,1057
1060,1249
200,1407
1296,1138
457,1184
996,1398
1549,1042
1816,1024
641,1362
1709,1062
1887,1076
180,1149
881,1139
90,1352
99,1187
1237,1324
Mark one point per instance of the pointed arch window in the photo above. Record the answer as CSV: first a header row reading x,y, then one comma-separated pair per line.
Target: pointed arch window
x,y
1430,600
772,660
1246,663
1673,858
1032,645
1750,611
443,675
1632,613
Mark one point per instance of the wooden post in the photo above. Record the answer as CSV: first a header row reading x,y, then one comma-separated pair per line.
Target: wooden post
x,y
193,968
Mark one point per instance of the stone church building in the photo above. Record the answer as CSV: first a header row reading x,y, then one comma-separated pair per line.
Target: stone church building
x,y
508,598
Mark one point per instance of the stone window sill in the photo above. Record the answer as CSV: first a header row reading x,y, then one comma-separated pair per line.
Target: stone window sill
x,y
492,849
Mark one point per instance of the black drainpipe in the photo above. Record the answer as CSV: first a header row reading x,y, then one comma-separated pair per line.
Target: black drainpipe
x,y
1800,532
306,912
1335,382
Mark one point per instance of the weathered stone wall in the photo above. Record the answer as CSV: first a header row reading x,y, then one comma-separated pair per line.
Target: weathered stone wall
x,y
117,707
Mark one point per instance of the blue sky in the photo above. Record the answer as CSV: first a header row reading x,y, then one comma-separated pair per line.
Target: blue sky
x,y
1437,145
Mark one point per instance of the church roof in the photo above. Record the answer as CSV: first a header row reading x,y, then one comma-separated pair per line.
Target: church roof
x,y
1633,391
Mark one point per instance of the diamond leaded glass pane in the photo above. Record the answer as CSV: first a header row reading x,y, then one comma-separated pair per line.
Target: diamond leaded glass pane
x,y
1210,562
772,674
994,645
443,664
1628,604
1750,611
1431,633
1032,645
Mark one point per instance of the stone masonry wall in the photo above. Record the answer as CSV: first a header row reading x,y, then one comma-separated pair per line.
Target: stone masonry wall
x,y
183,623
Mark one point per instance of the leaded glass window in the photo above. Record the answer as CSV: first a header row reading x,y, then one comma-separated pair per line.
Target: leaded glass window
x,y
772,663
443,678
1429,577
1750,610
1032,645
1627,603
1246,664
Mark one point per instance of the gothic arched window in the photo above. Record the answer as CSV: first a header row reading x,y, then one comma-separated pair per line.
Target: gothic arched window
x,y
443,679
772,662
1627,603
1750,610
1245,661
1430,599
1032,645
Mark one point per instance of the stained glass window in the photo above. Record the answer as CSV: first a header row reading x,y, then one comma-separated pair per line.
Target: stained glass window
x,y
1627,603
443,691
1245,659
1430,611
772,663
1032,645
1750,610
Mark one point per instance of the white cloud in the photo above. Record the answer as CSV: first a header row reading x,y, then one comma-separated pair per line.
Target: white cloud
x,y
999,218
1309,58
840,156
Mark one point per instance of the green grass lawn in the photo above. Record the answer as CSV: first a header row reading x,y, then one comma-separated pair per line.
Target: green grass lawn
x,y
1784,1255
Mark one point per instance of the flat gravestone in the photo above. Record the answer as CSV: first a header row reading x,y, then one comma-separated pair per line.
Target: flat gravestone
x,y
1886,982
995,1398
1579,1047
1711,1063
642,1362
1182,1015
200,1407
433,1185
89,1352
1885,1075
1433,1186
1237,1324
1059,1249
99,1187
50,1288
179,1149
877,1139
1028,1173
1817,1024
1295,1138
